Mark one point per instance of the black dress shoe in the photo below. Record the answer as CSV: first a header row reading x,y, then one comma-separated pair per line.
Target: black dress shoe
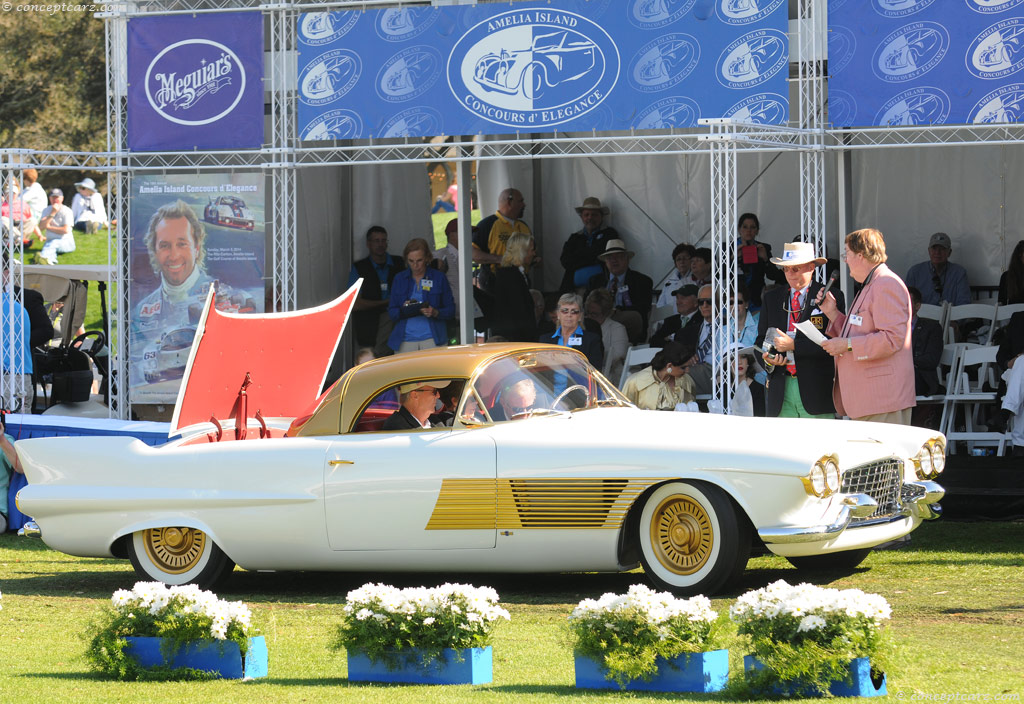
x,y
1000,420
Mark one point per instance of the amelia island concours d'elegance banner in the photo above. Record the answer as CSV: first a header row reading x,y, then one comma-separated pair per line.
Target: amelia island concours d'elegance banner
x,y
189,232
920,62
195,82
567,65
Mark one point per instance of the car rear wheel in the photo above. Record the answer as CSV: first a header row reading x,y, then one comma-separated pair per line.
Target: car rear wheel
x,y
178,555
845,560
692,538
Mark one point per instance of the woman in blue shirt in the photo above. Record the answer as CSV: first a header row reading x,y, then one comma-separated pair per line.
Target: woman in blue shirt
x,y
570,332
421,301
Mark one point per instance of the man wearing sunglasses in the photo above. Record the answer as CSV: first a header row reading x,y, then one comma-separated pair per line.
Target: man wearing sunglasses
x,y
939,279
700,337
419,400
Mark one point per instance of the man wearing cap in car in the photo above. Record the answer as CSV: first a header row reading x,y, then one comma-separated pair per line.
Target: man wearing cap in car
x,y
939,279
418,399
630,289
87,207
800,376
581,251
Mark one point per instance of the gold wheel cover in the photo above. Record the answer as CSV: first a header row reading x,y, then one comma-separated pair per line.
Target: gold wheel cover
x,y
174,550
681,535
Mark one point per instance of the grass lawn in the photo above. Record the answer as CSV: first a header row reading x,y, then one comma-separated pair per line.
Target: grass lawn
x,y
89,249
956,592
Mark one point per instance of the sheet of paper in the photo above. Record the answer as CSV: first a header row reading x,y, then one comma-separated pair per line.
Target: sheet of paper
x,y
807,328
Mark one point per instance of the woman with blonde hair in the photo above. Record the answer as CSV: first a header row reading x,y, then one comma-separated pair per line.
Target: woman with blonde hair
x,y
569,331
513,316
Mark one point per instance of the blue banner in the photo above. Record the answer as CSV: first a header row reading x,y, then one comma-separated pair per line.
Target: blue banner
x,y
195,82
568,65
920,62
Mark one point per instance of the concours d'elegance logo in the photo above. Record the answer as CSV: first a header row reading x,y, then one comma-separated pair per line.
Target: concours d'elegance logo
x,y
910,51
329,77
664,62
998,51
740,12
533,67
992,6
1005,104
753,59
420,121
674,111
918,106
404,23
653,14
319,28
762,109
842,45
195,82
409,73
899,8
334,124
842,108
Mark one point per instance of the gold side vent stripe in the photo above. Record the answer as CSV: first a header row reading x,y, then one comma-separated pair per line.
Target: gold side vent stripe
x,y
506,504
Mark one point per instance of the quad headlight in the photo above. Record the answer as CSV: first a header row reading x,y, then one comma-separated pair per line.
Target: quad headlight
x,y
930,460
824,478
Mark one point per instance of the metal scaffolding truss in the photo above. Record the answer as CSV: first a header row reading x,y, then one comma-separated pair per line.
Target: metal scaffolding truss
x,y
924,136
811,41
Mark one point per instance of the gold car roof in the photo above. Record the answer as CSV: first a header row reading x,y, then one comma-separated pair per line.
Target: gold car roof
x,y
341,405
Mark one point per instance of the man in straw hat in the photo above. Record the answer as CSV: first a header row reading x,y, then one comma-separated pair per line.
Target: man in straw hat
x,y
631,290
581,251
418,399
800,375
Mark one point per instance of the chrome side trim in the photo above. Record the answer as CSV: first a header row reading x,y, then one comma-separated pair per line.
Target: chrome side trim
x,y
32,530
851,504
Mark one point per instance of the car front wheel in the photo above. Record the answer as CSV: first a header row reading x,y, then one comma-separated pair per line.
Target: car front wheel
x,y
692,538
178,555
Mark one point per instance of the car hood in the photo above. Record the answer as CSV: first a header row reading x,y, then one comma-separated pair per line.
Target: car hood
x,y
778,445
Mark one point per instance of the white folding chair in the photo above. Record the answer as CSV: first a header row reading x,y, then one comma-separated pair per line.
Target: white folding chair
x,y
947,361
969,311
1003,315
976,366
636,357
937,313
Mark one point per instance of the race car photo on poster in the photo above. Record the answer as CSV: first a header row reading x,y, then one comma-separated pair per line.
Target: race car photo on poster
x,y
229,211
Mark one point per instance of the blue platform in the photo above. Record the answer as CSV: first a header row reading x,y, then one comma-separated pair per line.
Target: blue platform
x,y
474,668
221,657
22,426
861,683
690,672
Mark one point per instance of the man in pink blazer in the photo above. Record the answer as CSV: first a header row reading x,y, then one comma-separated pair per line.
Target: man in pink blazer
x,y
872,343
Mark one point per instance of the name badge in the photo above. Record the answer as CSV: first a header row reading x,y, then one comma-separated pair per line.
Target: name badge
x,y
384,288
426,284
623,288
856,320
575,341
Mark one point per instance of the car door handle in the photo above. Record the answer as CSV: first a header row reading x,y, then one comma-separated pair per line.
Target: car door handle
x,y
334,462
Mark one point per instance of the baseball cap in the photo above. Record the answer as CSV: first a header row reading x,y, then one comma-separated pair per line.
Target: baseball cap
x,y
941,239
56,192
687,290
407,388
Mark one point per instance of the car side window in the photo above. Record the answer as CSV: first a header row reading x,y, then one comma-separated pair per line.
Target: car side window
x,y
377,411
408,405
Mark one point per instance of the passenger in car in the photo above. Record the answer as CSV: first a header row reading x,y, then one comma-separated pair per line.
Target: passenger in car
x,y
418,401
516,400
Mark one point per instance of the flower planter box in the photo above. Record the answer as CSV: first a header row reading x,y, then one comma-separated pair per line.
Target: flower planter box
x,y
691,672
222,657
475,667
862,685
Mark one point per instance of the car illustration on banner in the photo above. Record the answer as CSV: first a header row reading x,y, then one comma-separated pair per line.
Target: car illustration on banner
x,y
1003,105
668,59
917,106
748,64
761,109
229,211
329,77
652,14
334,124
753,59
551,60
910,52
675,111
540,465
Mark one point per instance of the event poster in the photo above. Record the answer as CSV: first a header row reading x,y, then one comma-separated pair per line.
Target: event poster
x,y
573,65
195,82
897,63
188,233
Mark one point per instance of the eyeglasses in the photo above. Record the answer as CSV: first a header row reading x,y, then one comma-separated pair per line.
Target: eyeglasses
x,y
739,302
937,283
569,311
703,301
433,392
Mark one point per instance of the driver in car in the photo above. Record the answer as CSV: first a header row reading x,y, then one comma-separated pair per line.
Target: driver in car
x,y
516,401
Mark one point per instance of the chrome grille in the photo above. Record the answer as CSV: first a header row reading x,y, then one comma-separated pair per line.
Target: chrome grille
x,y
881,481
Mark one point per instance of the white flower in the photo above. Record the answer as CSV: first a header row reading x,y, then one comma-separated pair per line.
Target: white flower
x,y
810,623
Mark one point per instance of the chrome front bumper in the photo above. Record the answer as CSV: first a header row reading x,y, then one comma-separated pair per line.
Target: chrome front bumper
x,y
919,499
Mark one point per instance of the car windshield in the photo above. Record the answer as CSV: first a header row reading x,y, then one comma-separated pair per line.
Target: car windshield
x,y
523,384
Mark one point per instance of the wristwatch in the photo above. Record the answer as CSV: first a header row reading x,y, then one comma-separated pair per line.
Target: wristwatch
x,y
849,345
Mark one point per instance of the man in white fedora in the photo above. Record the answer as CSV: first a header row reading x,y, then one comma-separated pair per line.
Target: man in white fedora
x,y
631,290
581,251
800,375
87,208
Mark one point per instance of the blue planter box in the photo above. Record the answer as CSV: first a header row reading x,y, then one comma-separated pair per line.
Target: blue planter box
x,y
693,672
862,684
474,668
221,657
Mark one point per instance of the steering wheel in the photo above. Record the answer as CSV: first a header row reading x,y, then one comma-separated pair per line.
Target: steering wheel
x,y
574,387
96,346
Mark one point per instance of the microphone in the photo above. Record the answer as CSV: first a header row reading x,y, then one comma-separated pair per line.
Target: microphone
x,y
821,295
